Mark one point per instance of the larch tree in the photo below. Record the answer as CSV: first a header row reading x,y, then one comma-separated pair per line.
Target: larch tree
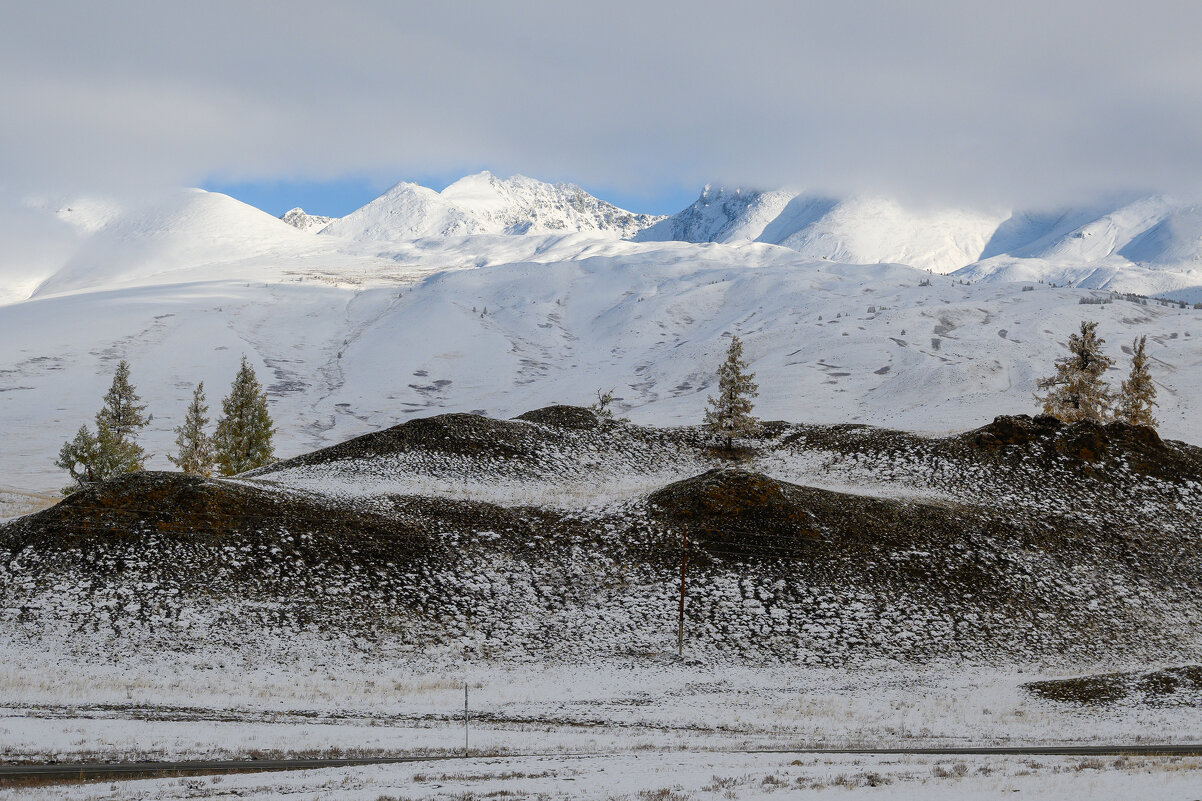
x,y
194,448
114,448
728,416
1076,391
243,438
1138,394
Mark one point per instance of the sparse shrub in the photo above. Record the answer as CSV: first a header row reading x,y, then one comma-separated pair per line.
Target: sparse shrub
x,y
601,406
956,771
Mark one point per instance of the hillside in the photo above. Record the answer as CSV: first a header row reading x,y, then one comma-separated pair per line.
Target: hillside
x,y
344,352
557,536
853,230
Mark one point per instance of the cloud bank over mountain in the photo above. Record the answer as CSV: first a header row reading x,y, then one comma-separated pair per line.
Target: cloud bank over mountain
x,y
1021,102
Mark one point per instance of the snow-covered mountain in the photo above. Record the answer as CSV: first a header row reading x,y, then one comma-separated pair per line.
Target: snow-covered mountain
x,y
299,218
857,230
486,204
351,335
1149,245
346,345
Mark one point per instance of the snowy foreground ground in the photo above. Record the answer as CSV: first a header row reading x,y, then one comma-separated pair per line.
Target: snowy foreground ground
x,y
677,777
671,731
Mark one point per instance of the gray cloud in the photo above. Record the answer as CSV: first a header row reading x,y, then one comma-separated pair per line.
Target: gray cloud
x,y
1018,102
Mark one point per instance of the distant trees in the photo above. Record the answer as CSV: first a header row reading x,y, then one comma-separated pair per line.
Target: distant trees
x,y
1077,391
728,415
194,448
243,440
1138,393
114,448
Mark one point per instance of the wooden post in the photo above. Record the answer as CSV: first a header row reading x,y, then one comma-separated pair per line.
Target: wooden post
x,y
684,542
465,726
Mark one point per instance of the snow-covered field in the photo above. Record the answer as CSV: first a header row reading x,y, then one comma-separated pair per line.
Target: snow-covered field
x,y
14,503
688,777
339,701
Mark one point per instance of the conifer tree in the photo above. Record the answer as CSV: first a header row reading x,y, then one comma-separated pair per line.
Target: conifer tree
x,y
244,432
114,448
1138,393
80,457
122,410
194,448
729,414
1076,391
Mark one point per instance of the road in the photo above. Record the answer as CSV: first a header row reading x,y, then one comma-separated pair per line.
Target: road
x,y
129,770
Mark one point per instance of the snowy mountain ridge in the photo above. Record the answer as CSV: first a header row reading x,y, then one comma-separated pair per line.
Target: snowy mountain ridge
x,y
1095,245
486,204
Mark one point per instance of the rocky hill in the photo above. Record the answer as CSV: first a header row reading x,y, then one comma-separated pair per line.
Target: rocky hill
x,y
558,536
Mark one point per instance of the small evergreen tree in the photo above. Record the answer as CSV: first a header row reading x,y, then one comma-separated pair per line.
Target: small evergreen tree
x,y
1138,393
194,448
80,457
122,411
114,448
729,414
1077,391
244,432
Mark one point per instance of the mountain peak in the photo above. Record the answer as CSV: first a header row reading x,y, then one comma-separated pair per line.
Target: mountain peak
x,y
483,203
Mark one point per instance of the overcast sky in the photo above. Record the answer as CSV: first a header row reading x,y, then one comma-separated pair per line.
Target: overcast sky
x,y
1013,102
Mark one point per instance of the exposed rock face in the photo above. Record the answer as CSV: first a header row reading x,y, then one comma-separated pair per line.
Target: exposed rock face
x,y
298,218
1088,442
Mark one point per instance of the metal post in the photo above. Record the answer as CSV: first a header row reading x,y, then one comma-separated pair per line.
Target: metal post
x,y
465,726
684,541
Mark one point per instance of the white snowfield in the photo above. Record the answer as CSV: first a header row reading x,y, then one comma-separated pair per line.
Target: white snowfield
x,y
355,333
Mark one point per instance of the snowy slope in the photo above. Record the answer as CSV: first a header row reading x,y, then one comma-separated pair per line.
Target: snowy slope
x,y
1150,245
485,204
408,337
856,230
55,247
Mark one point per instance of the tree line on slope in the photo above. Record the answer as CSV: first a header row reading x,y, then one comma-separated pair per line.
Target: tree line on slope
x,y
242,440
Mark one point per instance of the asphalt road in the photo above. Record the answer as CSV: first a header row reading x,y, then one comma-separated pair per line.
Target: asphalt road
x,y
66,771
130,770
